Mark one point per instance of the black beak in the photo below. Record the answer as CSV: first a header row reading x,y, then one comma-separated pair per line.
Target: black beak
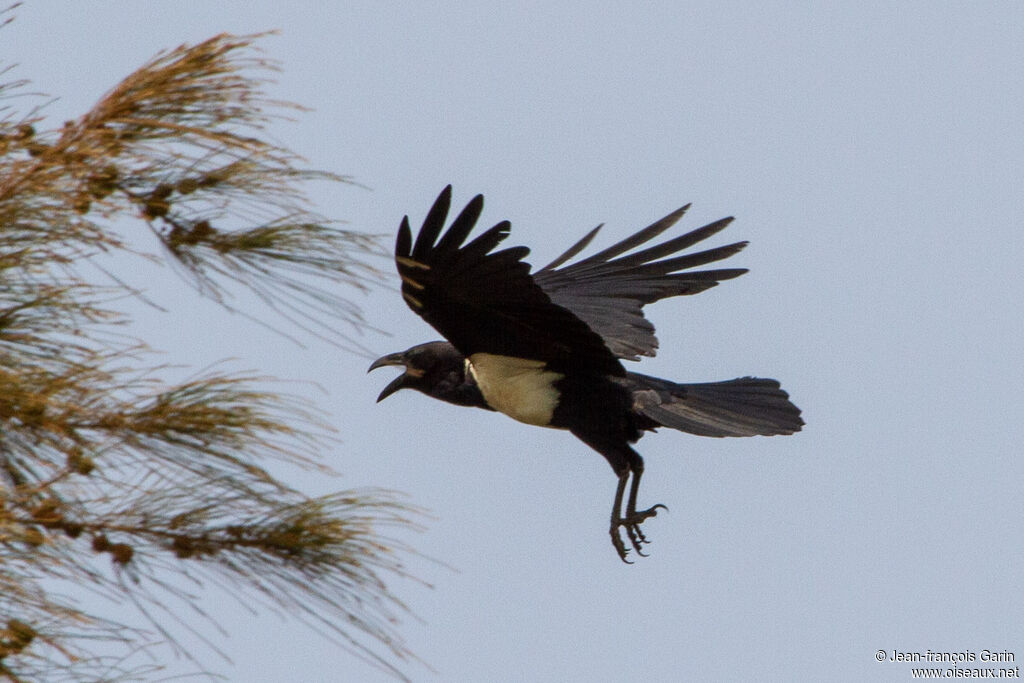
x,y
398,382
390,359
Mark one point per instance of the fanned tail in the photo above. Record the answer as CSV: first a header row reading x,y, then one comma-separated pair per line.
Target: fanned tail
x,y
747,406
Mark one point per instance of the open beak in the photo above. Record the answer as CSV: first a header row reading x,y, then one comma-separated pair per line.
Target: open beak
x,y
398,382
390,359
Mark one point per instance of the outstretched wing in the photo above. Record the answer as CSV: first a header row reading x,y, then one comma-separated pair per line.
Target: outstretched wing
x,y
608,291
485,301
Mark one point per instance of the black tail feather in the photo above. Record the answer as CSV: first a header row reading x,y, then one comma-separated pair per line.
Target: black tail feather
x,y
747,406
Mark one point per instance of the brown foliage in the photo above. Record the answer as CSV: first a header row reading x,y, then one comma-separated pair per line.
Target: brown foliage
x,y
109,472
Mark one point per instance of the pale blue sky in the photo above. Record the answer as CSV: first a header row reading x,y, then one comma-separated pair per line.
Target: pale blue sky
x,y
872,154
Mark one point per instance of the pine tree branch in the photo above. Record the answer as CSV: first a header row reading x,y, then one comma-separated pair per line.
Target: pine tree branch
x,y
118,479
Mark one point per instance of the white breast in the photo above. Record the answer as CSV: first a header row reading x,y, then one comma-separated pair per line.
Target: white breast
x,y
520,388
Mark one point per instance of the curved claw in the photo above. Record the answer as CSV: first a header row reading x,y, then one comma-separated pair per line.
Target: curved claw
x,y
634,531
637,517
636,537
631,523
620,547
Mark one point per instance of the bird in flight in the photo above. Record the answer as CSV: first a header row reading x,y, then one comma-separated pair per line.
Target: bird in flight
x,y
545,348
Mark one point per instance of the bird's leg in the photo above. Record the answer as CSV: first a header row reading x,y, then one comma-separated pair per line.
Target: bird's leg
x,y
620,547
633,518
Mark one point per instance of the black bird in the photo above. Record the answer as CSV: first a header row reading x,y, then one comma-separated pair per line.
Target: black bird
x,y
545,348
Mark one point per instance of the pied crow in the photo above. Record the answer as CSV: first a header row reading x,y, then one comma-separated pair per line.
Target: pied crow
x,y
545,348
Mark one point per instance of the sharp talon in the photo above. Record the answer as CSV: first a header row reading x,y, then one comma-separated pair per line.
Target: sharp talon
x,y
633,518
631,523
620,547
636,536
633,532
637,517
637,543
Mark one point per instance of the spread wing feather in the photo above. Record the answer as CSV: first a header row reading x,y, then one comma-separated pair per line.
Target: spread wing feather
x,y
608,290
587,313
485,301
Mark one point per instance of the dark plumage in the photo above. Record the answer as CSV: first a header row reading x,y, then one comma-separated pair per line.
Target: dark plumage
x,y
545,348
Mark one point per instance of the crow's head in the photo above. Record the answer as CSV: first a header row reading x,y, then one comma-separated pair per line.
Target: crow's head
x,y
425,366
